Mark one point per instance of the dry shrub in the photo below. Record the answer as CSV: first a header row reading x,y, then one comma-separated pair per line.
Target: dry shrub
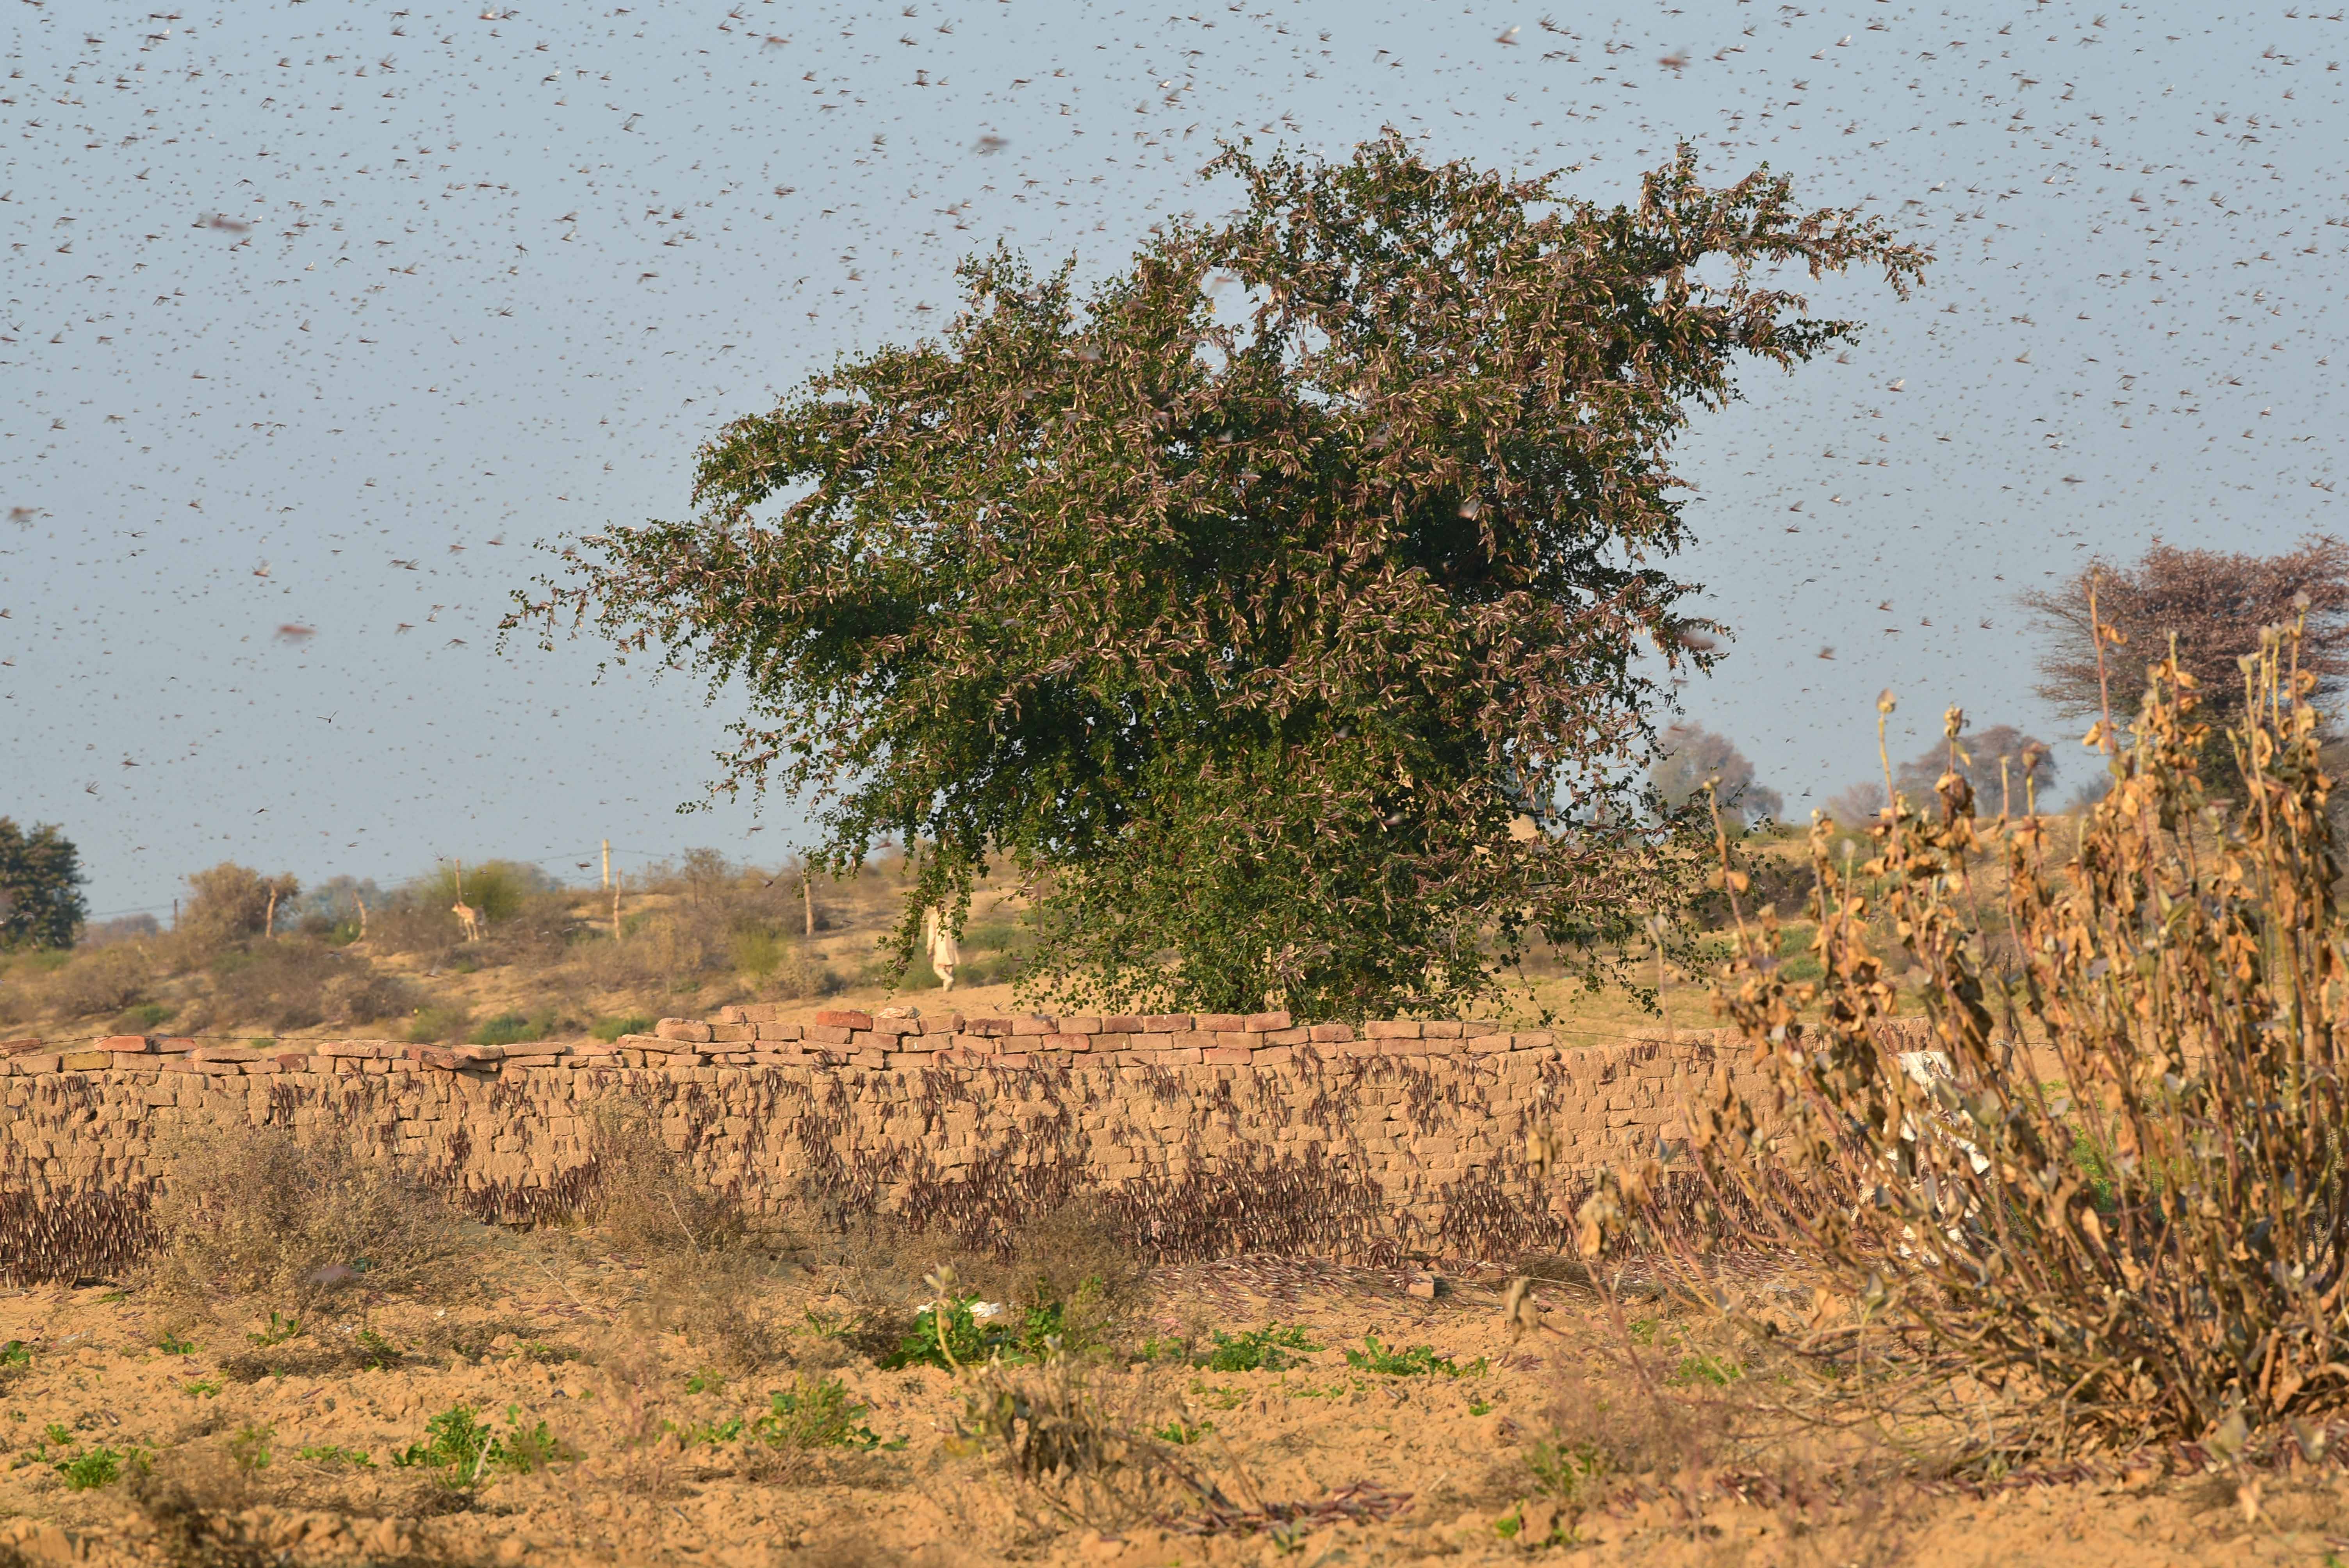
x,y
1074,1256
303,1226
292,985
708,1278
2120,1197
105,981
1083,1455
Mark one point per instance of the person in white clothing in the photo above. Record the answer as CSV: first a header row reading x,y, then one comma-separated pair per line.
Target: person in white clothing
x,y
945,952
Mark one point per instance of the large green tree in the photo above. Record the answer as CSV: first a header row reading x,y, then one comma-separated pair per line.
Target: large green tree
x,y
1276,605
40,887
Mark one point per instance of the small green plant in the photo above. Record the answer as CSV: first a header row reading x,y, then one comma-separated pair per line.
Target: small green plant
x,y
610,1029
816,1414
703,1381
1183,1431
1568,1472
376,1354
1417,1360
707,1433
250,1448
201,1388
505,1029
279,1331
460,1447
261,1043
431,1025
1267,1349
171,1343
15,1353
1700,1368
92,1468
145,1015
337,1456
1480,1407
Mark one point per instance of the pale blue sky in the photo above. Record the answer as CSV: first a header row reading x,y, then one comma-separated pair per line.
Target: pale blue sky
x,y
485,280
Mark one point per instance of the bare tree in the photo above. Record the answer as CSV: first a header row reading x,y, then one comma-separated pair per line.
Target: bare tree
x,y
2213,601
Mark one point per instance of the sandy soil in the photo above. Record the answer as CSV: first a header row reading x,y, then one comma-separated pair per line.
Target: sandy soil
x,y
241,1452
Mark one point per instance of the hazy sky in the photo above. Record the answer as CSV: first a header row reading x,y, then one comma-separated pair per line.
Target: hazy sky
x,y
323,316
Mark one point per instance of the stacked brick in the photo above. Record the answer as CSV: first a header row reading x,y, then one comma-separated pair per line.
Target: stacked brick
x,y
1422,1127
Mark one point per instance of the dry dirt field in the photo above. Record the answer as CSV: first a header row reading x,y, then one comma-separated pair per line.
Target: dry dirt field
x,y
629,1396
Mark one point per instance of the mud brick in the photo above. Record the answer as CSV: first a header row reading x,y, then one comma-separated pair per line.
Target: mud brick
x,y
1290,1036
231,1053
1219,1023
433,1057
780,1032
758,1012
1180,1056
869,1058
843,1018
295,1061
1066,1043
733,1033
896,1029
1013,1060
1123,1024
1477,1028
124,1045
1228,1055
1194,1039
359,1048
1272,1056
1152,1041
912,1042
264,1066
994,1027
1391,1029
1165,1023
1441,1029
907,1061
38,1062
480,1053
789,1058
689,1030
1267,1023
532,1059
1079,1024
1033,1025
1112,1041
867,1040
87,1061
21,1049
1329,1033
830,1033
729,1015
173,1044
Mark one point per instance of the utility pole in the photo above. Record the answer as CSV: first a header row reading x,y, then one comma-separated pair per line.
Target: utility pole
x,y
607,864
807,901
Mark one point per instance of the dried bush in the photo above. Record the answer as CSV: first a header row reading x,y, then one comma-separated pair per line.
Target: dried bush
x,y
229,902
1075,1258
1085,1458
294,983
304,1226
2116,1189
105,981
708,1277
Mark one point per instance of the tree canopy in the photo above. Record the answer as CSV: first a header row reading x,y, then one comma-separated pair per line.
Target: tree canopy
x,y
40,887
1275,605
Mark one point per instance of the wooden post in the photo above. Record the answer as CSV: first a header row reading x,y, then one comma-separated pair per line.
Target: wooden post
x,y
356,899
807,903
269,921
607,862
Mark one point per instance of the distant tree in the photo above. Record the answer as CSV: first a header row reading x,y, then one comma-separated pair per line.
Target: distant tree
x,y
231,902
496,890
1858,806
40,887
2214,602
1246,628
1692,756
1983,751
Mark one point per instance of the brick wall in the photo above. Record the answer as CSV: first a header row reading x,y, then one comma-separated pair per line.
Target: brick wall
x,y
1209,1134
